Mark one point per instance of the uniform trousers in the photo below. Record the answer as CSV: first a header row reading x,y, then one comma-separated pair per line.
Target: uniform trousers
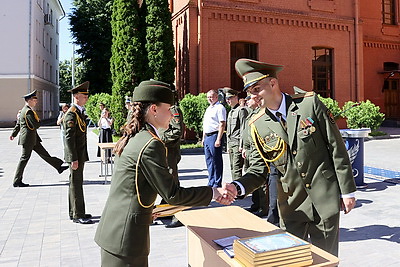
x,y
213,160
236,160
273,213
26,155
322,233
75,193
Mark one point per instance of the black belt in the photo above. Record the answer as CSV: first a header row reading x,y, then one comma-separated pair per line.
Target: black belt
x,y
212,133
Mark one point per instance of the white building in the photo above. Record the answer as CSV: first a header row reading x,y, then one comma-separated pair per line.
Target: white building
x,y
29,56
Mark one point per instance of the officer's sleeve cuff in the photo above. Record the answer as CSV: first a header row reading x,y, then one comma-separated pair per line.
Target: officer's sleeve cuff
x,y
239,188
349,195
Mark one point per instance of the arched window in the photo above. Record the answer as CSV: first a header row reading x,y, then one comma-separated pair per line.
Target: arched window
x,y
322,75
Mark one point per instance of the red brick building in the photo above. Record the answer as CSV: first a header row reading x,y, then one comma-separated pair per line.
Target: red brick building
x,y
344,49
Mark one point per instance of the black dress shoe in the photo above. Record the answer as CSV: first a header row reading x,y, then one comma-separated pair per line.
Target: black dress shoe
x,y
261,213
62,168
82,221
251,209
21,184
87,216
174,224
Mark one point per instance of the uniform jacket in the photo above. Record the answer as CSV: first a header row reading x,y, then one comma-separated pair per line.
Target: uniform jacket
x,y
235,124
172,136
317,169
140,173
26,126
75,136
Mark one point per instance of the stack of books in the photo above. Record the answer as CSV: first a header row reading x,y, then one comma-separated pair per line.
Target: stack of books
x,y
281,249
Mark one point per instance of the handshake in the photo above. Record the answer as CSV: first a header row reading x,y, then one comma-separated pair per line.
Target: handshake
x,y
226,194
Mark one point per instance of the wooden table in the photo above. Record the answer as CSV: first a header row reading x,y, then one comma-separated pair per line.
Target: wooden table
x,y
107,162
205,225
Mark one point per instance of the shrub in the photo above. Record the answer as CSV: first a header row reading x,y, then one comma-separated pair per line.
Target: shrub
x,y
92,105
332,105
193,108
362,115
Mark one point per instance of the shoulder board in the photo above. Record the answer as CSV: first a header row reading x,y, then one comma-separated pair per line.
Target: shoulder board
x,y
308,94
257,116
71,109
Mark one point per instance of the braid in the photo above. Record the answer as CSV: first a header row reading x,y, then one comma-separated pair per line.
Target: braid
x,y
133,126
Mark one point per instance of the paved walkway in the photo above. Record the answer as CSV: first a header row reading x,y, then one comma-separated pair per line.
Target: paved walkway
x,y
35,229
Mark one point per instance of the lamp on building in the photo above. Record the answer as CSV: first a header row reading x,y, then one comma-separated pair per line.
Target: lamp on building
x,y
384,81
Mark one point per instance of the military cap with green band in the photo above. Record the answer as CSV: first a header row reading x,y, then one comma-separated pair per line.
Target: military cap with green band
x,y
30,95
83,88
252,71
153,91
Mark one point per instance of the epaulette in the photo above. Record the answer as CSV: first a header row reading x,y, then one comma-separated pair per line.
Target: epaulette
x,y
257,116
308,94
71,109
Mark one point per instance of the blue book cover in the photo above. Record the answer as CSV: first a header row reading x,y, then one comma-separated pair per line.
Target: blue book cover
x,y
269,243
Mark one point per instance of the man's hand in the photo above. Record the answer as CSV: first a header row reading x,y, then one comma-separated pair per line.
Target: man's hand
x,y
74,165
224,196
347,204
231,188
217,143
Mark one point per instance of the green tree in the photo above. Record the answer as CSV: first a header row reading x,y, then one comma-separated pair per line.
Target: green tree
x,y
66,78
91,30
159,41
128,54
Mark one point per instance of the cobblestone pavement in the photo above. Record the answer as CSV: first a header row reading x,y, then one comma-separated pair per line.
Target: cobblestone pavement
x,y
35,229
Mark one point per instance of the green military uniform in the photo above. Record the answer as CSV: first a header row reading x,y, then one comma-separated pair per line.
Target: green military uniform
x,y
259,197
172,139
312,158
141,172
234,129
27,125
75,149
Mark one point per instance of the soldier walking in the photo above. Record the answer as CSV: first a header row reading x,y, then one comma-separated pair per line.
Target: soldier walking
x,y
27,124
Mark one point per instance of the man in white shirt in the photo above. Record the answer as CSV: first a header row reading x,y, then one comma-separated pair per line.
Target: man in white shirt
x,y
214,122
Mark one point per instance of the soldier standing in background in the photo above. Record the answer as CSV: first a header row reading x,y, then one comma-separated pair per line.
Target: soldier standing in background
x,y
27,124
75,152
172,140
235,125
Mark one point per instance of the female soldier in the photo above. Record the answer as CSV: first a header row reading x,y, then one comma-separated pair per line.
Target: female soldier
x,y
140,173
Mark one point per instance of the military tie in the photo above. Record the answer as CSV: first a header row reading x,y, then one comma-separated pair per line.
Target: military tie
x,y
282,121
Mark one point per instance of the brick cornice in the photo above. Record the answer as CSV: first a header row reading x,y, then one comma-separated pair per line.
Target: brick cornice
x,y
265,15
382,45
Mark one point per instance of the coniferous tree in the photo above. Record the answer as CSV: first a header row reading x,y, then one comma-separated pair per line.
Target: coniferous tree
x,y
159,41
127,68
91,29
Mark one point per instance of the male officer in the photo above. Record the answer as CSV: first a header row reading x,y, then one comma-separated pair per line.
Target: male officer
x,y
27,124
234,130
75,152
299,136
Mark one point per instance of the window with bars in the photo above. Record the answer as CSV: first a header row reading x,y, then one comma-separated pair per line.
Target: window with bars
x,y
322,75
388,12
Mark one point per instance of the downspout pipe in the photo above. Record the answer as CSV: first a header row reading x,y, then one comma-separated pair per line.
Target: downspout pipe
x,y
29,46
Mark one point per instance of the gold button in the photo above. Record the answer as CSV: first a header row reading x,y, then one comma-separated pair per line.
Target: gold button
x,y
308,185
294,152
303,174
299,164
